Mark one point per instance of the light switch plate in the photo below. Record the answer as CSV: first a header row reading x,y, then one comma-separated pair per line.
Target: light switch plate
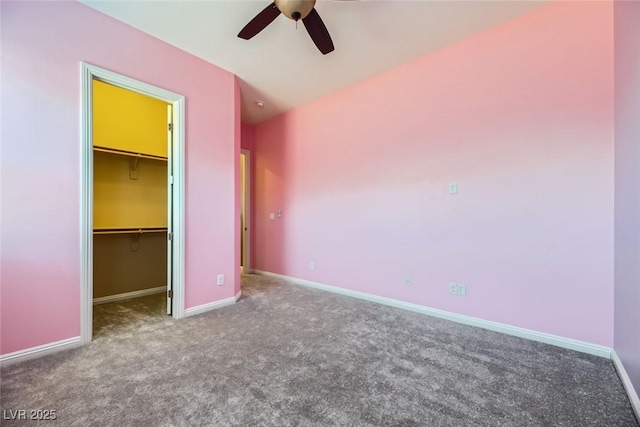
x,y
453,288
462,289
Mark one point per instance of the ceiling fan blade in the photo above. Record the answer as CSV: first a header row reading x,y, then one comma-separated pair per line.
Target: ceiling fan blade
x,y
259,22
318,32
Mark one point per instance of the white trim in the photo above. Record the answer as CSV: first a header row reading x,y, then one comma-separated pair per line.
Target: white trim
x,y
628,385
199,309
169,265
88,73
38,351
247,211
581,346
86,209
129,295
178,217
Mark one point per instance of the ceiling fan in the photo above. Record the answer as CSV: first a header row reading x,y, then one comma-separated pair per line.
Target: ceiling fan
x,y
296,10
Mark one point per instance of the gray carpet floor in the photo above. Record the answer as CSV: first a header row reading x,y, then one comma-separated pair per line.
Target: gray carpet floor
x,y
290,356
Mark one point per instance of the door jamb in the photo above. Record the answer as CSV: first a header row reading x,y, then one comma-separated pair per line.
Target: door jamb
x,y
246,268
88,73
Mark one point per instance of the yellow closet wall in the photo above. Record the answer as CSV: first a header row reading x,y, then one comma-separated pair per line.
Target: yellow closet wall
x,y
129,122
120,202
119,269
126,120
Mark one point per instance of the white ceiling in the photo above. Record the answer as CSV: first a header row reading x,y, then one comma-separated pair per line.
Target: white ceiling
x,y
282,67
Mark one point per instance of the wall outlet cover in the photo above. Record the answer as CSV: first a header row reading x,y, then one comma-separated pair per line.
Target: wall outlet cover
x,y
453,188
220,279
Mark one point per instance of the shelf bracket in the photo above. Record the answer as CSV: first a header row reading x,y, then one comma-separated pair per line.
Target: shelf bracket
x,y
135,241
133,169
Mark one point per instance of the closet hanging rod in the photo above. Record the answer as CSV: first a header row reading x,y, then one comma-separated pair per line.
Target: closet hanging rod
x,y
129,230
128,153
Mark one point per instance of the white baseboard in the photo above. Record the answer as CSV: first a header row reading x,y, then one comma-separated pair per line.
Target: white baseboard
x,y
54,347
199,309
38,351
581,346
129,295
626,382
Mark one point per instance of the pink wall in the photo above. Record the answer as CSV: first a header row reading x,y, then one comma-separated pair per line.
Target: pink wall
x,y
521,117
237,139
247,139
43,44
627,187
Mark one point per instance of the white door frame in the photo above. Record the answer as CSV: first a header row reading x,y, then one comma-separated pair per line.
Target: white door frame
x,y
89,73
246,243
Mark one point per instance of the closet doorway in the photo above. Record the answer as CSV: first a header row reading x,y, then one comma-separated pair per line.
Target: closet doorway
x,y
245,211
132,193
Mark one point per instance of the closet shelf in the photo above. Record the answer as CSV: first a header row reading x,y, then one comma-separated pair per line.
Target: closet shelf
x,y
138,230
129,153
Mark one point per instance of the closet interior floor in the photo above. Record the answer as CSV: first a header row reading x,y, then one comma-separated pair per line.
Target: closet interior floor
x,y
123,317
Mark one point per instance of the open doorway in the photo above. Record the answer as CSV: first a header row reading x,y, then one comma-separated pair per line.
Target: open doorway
x,y
132,204
245,211
132,195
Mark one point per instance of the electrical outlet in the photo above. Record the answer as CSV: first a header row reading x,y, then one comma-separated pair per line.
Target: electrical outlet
x,y
408,281
272,216
453,188
462,289
220,279
312,265
453,288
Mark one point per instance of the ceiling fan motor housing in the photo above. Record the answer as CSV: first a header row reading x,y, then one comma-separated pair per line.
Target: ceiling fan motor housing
x,y
295,9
